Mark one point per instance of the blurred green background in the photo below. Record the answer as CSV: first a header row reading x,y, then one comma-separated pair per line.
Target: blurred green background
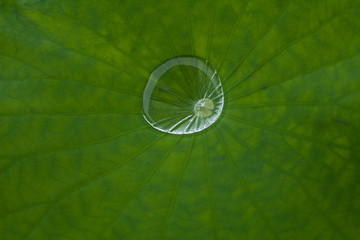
x,y
78,160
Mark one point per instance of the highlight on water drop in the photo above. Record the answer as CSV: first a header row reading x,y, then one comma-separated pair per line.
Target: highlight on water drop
x,y
183,96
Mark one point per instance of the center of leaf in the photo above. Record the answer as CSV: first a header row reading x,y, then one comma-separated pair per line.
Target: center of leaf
x,y
203,108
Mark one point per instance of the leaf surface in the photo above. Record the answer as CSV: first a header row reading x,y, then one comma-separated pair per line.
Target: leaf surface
x,y
78,160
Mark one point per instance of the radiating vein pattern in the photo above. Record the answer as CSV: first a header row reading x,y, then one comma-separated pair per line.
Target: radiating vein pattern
x,y
190,119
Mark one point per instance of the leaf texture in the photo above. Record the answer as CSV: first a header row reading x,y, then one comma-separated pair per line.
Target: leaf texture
x,y
78,160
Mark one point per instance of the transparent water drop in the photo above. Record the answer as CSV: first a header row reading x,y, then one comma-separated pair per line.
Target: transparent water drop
x,y
183,96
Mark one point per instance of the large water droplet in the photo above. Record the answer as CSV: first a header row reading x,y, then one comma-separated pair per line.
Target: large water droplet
x,y
183,96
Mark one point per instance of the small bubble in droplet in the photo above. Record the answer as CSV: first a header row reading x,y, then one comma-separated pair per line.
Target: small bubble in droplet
x,y
204,107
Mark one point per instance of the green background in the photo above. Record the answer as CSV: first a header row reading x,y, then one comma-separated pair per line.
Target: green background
x,y
78,161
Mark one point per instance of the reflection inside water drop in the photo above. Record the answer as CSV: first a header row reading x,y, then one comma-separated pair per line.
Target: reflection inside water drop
x,y
183,96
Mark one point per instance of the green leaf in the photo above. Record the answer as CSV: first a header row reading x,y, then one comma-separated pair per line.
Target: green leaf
x,y
79,161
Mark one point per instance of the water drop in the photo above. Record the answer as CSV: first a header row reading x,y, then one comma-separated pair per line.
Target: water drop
x,y
183,96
